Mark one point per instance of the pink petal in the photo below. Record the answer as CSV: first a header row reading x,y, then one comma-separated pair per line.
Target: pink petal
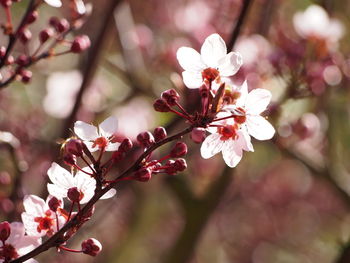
x,y
257,101
17,232
259,128
34,205
192,80
232,153
211,145
109,194
85,131
189,59
230,64
108,127
213,49
60,176
54,3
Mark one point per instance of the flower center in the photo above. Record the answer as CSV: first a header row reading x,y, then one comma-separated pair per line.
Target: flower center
x,y
8,252
210,74
240,118
44,223
100,142
227,132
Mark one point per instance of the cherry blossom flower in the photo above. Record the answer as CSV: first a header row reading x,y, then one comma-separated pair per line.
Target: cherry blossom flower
x,y
64,181
38,219
227,138
314,22
98,138
18,244
54,3
212,63
250,106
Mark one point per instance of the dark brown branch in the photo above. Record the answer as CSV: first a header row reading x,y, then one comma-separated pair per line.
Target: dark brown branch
x,y
237,29
58,237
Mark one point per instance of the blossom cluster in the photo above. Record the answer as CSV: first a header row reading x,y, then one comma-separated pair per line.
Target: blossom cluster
x,y
230,113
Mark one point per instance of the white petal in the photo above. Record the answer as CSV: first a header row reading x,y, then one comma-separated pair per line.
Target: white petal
x,y
31,226
259,128
189,59
34,205
56,191
84,182
192,80
257,101
230,64
111,147
17,232
27,244
244,140
109,194
85,131
108,127
89,146
243,90
213,49
232,153
54,3
60,176
211,145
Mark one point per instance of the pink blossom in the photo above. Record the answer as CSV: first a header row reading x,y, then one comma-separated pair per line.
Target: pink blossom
x,y
212,63
63,181
98,138
38,219
18,244
54,3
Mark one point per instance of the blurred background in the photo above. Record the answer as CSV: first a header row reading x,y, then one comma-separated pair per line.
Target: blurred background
x,y
287,202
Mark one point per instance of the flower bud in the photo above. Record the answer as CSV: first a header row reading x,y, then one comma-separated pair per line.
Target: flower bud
x,y
180,149
118,156
54,204
159,134
6,3
198,135
45,34
170,96
62,25
69,159
143,175
22,60
25,36
2,51
5,231
74,194
125,146
26,76
180,165
170,167
74,147
80,44
10,60
32,17
54,21
145,139
161,106
91,247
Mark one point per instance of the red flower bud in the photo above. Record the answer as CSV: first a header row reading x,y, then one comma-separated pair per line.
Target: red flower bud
x,y
143,174
26,76
22,60
25,36
74,195
159,134
54,21
145,139
91,247
198,135
10,60
2,51
80,44
74,147
62,25
54,204
6,3
180,165
170,96
180,149
161,106
5,231
126,145
32,17
45,34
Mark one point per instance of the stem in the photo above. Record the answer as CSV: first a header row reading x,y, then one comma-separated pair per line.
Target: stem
x,y
70,250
